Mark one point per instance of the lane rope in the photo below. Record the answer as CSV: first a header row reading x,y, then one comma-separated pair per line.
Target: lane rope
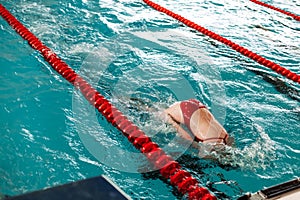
x,y
296,17
169,168
261,60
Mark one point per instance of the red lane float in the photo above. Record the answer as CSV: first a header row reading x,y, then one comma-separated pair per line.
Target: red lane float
x,y
261,60
169,168
296,17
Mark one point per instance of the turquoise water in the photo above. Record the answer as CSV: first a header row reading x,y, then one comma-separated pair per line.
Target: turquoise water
x,y
41,144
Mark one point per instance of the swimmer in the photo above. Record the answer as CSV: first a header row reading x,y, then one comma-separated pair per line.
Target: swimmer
x,y
198,120
192,121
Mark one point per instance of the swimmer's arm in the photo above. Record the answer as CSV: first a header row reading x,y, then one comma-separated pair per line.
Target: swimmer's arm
x,y
182,133
174,112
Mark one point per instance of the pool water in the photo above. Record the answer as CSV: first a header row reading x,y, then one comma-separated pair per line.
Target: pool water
x,y
140,58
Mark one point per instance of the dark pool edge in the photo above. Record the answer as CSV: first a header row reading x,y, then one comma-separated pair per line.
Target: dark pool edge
x,y
100,187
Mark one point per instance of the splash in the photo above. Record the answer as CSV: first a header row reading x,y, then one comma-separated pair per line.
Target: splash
x,y
256,155
249,154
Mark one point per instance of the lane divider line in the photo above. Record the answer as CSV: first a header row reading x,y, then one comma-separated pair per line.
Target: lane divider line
x,y
296,17
169,168
259,59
